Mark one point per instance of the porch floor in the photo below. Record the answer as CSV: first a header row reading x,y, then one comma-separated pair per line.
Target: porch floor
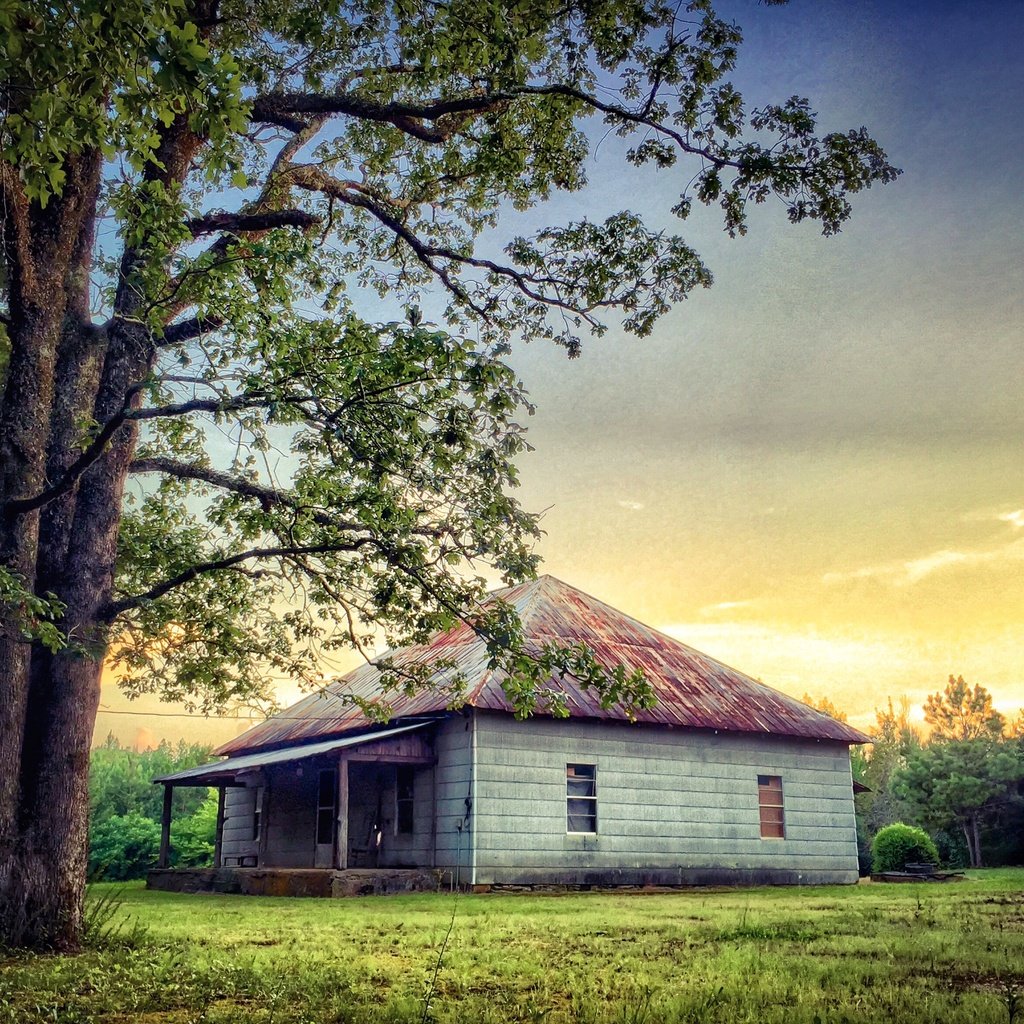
x,y
320,882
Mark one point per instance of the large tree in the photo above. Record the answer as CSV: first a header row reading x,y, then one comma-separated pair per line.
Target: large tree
x,y
196,198
961,783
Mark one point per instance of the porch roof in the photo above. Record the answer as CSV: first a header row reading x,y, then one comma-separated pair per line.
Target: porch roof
x,y
219,771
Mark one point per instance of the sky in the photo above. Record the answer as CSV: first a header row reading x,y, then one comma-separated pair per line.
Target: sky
x,y
814,470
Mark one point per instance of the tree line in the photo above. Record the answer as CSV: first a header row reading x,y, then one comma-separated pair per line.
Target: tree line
x,y
125,809
962,780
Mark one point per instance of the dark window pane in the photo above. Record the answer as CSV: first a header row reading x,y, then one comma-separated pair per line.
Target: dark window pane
x,y
581,797
582,823
405,817
324,826
325,795
576,805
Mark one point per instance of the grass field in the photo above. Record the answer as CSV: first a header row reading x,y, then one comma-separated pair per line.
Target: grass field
x,y
895,953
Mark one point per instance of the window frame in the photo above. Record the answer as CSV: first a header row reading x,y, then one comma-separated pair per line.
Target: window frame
x,y
257,814
571,768
330,807
770,826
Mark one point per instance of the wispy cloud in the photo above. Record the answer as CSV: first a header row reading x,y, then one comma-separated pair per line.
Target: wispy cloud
x,y
1015,519
633,506
723,606
914,570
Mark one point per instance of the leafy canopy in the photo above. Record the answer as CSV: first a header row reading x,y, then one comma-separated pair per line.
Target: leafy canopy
x,y
275,171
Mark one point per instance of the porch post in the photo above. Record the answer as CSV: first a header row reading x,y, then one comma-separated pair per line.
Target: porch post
x,y
264,797
165,828
341,847
218,842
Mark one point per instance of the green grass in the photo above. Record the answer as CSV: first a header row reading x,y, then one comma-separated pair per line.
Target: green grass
x,y
893,953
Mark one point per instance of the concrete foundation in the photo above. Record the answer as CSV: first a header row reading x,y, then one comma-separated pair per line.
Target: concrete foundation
x,y
296,881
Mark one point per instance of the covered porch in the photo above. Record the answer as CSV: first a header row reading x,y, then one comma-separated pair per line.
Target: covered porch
x,y
354,803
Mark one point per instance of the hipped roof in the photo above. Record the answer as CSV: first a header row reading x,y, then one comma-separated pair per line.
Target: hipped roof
x,y
693,691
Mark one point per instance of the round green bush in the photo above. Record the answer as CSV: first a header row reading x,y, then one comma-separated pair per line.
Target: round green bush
x,y
122,847
897,845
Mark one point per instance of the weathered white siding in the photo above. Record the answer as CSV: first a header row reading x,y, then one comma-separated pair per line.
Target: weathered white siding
x,y
674,806
238,846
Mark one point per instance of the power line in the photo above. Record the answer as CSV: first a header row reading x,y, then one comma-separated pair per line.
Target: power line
x,y
184,714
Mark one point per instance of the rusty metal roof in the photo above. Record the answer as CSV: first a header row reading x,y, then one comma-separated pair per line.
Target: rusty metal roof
x,y
693,690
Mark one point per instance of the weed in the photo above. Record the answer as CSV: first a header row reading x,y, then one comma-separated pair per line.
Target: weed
x,y
104,923
1011,996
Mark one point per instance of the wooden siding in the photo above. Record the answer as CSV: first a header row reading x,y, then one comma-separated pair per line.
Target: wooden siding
x,y
237,842
674,806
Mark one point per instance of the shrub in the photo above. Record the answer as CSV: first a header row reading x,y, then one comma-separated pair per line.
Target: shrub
x,y
897,845
124,846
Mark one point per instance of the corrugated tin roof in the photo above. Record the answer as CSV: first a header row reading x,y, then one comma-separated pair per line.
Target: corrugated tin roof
x,y
219,770
693,690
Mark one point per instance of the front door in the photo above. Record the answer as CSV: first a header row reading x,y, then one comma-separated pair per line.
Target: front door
x,y
326,815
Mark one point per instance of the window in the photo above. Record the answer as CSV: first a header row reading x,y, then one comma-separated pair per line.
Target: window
x,y
581,798
769,799
327,787
405,784
257,813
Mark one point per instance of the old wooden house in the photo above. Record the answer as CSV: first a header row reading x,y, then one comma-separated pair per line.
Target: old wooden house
x,y
725,780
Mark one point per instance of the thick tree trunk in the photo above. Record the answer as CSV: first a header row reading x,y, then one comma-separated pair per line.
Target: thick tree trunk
x,y
23,432
60,369
46,901
51,383
976,833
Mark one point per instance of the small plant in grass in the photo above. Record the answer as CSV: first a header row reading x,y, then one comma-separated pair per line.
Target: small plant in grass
x,y
897,845
105,925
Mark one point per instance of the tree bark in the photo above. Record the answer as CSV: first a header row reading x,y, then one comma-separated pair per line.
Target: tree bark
x,y
48,701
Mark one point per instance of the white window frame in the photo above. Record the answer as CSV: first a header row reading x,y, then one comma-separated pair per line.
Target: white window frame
x,y
570,768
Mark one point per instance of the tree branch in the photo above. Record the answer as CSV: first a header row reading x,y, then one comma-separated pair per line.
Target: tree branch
x,y
22,506
116,608
268,497
288,109
313,179
243,221
187,330
447,115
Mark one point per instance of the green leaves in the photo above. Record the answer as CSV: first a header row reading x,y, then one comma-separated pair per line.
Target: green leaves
x,y
330,481
94,75
35,617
